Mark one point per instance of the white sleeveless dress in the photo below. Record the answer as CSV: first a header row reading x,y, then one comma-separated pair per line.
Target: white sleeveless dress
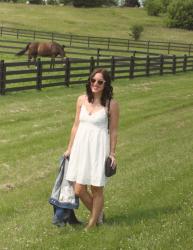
x,y
90,149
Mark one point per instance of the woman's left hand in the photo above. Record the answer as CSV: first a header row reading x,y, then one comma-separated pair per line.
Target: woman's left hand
x,y
113,163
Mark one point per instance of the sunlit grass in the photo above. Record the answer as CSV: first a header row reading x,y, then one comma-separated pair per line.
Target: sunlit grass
x,y
148,204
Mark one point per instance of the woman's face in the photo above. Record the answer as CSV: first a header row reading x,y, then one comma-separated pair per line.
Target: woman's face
x,y
97,83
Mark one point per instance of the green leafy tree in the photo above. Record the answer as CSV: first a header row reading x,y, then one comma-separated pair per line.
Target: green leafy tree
x,y
92,3
180,14
35,1
164,5
132,3
65,2
87,3
136,31
110,2
153,7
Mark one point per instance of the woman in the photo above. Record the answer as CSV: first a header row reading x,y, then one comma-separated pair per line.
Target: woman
x,y
91,142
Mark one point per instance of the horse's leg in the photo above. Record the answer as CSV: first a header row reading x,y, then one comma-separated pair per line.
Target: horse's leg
x,y
62,58
63,54
35,60
29,60
52,63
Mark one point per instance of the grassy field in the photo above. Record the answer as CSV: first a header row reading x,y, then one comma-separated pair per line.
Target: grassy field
x,y
148,204
107,22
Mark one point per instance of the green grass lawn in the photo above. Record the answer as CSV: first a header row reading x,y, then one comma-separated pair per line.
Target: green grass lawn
x,y
148,204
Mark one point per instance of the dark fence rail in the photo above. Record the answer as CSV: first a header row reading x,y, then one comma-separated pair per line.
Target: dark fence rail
x,y
15,76
102,42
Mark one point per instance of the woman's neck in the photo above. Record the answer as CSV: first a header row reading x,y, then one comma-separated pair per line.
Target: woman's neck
x,y
97,96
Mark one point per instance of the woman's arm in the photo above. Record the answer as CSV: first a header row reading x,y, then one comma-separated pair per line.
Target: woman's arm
x,y
114,120
75,126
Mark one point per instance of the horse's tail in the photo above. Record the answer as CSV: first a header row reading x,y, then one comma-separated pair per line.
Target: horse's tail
x,y
22,52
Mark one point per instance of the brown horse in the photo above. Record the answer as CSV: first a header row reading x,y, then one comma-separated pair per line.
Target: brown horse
x,y
45,49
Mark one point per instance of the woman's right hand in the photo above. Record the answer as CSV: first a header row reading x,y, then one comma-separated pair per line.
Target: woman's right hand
x,y
66,153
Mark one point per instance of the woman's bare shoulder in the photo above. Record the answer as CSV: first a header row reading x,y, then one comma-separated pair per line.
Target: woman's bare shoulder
x,y
114,104
81,99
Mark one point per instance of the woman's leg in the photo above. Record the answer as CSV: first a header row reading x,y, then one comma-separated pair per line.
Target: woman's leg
x,y
97,205
85,196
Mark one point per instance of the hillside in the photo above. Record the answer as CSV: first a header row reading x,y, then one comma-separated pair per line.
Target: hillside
x,y
107,22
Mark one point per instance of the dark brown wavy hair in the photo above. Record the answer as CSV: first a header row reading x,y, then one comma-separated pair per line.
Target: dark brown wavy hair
x,y
107,94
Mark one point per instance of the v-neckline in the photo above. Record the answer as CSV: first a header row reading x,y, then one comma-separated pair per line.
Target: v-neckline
x,y
92,113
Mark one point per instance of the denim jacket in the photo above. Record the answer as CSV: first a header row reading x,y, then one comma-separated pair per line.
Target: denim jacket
x,y
63,192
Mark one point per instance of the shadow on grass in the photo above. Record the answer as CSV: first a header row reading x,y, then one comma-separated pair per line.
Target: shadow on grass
x,y
141,214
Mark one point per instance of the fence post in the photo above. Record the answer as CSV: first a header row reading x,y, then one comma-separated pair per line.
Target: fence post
x,y
52,36
168,47
67,72
189,50
161,64
128,44
39,74
108,42
185,63
34,36
113,68
1,30
92,64
2,77
71,40
148,46
174,64
132,67
17,33
98,56
147,65
134,52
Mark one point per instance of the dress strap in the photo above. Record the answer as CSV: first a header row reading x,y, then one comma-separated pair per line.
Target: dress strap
x,y
84,100
108,114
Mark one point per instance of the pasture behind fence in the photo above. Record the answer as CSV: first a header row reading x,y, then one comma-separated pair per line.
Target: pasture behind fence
x,y
102,42
12,47
15,76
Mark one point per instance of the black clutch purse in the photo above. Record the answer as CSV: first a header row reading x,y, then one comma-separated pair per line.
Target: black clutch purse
x,y
109,171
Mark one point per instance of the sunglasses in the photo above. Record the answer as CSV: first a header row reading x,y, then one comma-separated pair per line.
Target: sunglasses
x,y
99,82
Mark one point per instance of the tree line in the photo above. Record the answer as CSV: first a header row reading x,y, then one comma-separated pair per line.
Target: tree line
x,y
82,3
178,13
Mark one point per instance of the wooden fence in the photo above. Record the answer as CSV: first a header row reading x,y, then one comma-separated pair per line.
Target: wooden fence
x,y
102,42
12,47
15,76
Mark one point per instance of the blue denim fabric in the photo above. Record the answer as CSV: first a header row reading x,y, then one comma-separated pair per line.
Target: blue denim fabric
x,y
59,212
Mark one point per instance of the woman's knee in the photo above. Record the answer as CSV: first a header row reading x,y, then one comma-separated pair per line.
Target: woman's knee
x,y
97,191
79,189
